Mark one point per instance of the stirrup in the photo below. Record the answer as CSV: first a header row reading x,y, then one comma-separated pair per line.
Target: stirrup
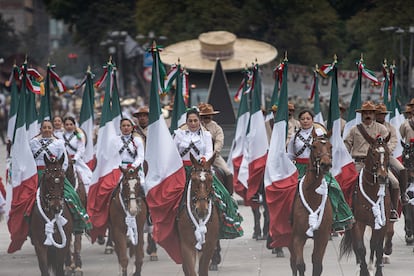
x,y
393,215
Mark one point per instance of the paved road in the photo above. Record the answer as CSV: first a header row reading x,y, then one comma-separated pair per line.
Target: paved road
x,y
242,256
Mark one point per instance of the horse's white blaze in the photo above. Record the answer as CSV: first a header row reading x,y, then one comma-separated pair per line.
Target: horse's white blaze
x,y
203,176
381,151
133,210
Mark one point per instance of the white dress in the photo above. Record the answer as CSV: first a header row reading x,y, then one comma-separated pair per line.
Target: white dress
x,y
75,147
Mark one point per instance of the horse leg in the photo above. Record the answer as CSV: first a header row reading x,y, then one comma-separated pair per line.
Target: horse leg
x,y
139,253
216,259
77,246
109,248
188,253
357,233
319,247
377,240
388,242
409,223
121,251
68,262
292,260
41,252
266,218
298,243
151,248
206,255
256,229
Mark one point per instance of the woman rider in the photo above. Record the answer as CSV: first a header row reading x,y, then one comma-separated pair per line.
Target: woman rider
x,y
75,147
299,149
46,144
197,141
58,129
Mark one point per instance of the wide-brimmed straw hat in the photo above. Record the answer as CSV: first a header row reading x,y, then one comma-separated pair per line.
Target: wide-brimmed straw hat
x,y
207,109
234,53
411,103
291,106
128,101
367,106
381,109
142,109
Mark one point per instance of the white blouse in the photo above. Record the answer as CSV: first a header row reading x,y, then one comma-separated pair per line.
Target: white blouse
x,y
134,146
76,144
296,145
55,146
199,143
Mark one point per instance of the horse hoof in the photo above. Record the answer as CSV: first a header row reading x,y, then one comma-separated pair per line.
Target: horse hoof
x,y
109,250
101,240
213,267
386,259
409,240
153,258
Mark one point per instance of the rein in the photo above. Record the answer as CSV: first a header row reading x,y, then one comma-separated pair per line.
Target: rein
x,y
49,226
378,207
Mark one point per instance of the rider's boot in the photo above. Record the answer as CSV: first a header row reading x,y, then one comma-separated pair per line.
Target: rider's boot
x,y
403,186
395,196
229,180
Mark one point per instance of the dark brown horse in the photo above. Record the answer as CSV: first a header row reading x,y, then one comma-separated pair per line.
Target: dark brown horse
x,y
371,207
127,216
73,260
312,210
198,222
408,162
51,221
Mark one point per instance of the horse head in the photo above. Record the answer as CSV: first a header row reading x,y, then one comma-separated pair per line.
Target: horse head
x,y
201,185
377,161
52,184
131,189
321,153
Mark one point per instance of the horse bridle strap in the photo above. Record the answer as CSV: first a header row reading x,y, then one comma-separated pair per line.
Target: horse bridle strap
x,y
126,147
191,146
67,141
44,147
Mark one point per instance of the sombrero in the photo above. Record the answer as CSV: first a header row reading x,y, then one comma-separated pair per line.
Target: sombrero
x,y
128,101
367,106
234,53
207,109
143,109
291,106
381,109
411,103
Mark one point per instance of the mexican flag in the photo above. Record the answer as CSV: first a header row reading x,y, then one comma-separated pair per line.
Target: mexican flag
x,y
281,175
86,119
14,104
396,118
165,180
315,96
116,103
32,124
343,167
45,112
106,175
179,110
256,140
239,142
24,178
354,117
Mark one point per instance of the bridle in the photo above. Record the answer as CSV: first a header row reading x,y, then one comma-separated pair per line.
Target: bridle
x,y
131,180
316,158
408,156
52,179
203,174
379,163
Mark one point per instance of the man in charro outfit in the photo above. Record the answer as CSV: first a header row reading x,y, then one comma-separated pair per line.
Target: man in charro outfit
x,y
358,146
206,114
142,116
293,124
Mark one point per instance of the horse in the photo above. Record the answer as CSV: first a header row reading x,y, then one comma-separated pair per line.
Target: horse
x,y
312,210
198,221
73,260
371,207
127,216
51,213
408,162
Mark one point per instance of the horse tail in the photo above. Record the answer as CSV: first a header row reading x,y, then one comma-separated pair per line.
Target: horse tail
x,y
346,245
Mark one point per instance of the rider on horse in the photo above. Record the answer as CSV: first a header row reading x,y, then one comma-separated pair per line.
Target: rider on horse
x,y
194,139
299,149
206,114
75,141
46,144
358,146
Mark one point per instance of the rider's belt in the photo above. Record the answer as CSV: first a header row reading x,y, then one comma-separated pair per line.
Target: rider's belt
x,y
359,159
302,160
187,163
41,168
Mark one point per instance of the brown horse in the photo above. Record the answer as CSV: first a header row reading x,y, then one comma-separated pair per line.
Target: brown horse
x,y
127,216
408,162
198,222
371,206
51,221
312,210
73,260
